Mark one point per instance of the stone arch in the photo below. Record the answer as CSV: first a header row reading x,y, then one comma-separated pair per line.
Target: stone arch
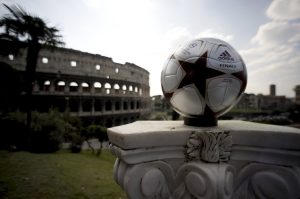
x,y
46,85
98,105
60,86
117,105
73,86
97,87
124,89
116,88
125,105
85,87
108,105
87,105
130,88
74,105
107,87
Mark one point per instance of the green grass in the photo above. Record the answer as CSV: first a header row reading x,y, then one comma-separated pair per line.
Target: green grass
x,y
25,175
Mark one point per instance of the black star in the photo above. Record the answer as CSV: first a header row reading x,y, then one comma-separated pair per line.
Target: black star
x,y
197,73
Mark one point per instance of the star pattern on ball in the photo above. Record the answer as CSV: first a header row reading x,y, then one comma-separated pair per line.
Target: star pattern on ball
x,y
197,73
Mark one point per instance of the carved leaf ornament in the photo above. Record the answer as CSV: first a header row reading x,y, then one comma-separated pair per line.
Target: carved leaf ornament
x,y
209,146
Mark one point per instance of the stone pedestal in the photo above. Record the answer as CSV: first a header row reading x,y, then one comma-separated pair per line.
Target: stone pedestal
x,y
236,159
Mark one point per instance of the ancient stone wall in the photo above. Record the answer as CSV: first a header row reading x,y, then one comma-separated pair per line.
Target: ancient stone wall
x,y
87,85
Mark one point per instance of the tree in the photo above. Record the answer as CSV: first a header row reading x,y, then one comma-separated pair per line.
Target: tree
x,y
22,29
95,131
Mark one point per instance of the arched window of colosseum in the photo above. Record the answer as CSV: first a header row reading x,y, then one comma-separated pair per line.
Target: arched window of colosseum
x,y
141,91
117,106
45,60
97,86
98,105
60,86
130,88
107,76
11,57
73,87
97,67
46,86
117,70
108,106
124,88
136,89
85,87
116,87
125,106
107,87
73,63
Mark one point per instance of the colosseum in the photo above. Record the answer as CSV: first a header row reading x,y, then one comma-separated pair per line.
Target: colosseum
x,y
90,86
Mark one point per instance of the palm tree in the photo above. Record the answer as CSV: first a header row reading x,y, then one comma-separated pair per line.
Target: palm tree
x,y
22,29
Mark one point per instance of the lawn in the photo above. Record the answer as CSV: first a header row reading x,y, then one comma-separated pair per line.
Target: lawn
x,y
26,175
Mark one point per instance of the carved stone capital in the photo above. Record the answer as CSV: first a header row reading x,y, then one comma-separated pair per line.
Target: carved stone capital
x,y
158,179
209,146
239,160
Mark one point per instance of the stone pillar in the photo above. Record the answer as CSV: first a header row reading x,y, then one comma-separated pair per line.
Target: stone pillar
x,y
166,159
103,105
93,106
67,88
52,87
80,106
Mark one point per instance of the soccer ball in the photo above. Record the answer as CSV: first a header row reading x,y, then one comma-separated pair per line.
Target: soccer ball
x,y
203,78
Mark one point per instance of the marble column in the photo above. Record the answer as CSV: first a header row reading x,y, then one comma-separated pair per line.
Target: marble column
x,y
236,159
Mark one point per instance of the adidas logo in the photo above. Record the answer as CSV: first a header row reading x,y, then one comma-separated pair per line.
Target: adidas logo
x,y
225,56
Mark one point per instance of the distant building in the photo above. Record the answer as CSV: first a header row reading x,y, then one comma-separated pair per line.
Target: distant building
x,y
273,90
297,94
275,103
248,101
159,104
265,102
87,85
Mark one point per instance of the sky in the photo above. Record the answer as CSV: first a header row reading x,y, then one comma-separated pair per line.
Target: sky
x,y
265,32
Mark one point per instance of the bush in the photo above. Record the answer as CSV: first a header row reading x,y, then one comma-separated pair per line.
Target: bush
x,y
76,143
95,131
13,133
47,133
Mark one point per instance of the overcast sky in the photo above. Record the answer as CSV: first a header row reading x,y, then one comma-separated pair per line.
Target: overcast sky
x,y
265,32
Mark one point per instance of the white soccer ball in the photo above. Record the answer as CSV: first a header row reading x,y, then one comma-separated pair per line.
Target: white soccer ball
x,y
205,76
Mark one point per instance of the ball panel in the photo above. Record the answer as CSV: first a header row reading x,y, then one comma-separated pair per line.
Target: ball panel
x,y
171,67
231,95
170,83
225,67
188,101
195,48
191,49
171,76
180,74
221,92
224,53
